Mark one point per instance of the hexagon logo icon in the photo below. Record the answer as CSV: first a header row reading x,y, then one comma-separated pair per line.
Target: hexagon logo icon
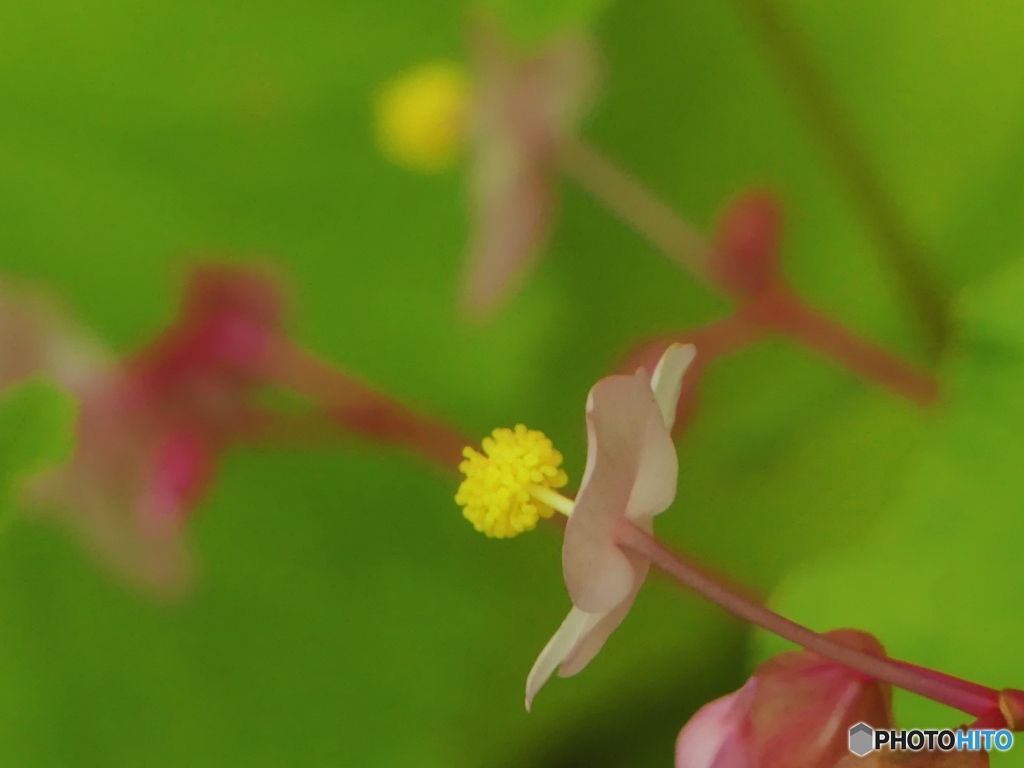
x,y
862,738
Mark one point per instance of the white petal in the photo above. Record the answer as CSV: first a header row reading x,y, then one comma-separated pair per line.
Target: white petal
x,y
654,488
560,646
594,638
597,573
667,381
631,474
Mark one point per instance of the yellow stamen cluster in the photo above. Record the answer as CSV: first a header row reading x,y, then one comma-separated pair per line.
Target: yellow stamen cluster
x,y
422,116
496,494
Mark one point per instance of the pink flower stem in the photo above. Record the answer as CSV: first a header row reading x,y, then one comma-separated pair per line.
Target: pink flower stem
x,y
975,700
271,429
359,408
786,312
975,688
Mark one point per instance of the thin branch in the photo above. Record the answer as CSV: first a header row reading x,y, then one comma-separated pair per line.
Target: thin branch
x,y
797,68
637,206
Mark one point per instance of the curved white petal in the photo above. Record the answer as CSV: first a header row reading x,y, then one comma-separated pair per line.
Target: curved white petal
x,y
575,627
654,488
667,381
597,573
631,473
593,639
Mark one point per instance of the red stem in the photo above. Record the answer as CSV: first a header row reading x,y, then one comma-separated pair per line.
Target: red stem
x,y
359,408
973,699
784,311
780,309
993,719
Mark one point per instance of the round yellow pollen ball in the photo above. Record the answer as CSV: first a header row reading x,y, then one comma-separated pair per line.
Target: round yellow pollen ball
x,y
422,116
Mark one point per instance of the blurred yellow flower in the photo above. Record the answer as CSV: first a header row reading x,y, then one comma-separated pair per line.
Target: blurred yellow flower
x,y
422,115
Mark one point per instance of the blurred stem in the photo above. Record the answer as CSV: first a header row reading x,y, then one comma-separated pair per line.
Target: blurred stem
x,y
797,68
635,205
784,311
974,699
780,309
360,409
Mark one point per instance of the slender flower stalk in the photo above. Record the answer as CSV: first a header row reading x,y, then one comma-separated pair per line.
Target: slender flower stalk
x,y
631,201
783,311
359,408
971,698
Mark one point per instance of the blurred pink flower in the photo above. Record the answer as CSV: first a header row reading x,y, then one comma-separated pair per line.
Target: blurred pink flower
x,y
794,712
630,477
150,428
522,110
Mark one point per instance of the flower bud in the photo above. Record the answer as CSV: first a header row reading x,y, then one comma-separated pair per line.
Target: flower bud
x,y
794,712
746,254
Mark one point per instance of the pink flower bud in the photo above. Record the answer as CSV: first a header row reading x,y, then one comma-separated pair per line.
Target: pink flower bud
x,y
794,712
746,254
718,736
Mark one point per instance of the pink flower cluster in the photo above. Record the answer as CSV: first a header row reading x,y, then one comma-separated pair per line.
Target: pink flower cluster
x,y
152,426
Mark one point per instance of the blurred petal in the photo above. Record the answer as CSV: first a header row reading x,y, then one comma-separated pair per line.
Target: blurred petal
x,y
36,340
562,81
511,201
123,493
716,737
667,381
565,639
631,472
523,111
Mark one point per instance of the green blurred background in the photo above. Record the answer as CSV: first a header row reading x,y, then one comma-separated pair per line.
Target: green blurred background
x,y
347,615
